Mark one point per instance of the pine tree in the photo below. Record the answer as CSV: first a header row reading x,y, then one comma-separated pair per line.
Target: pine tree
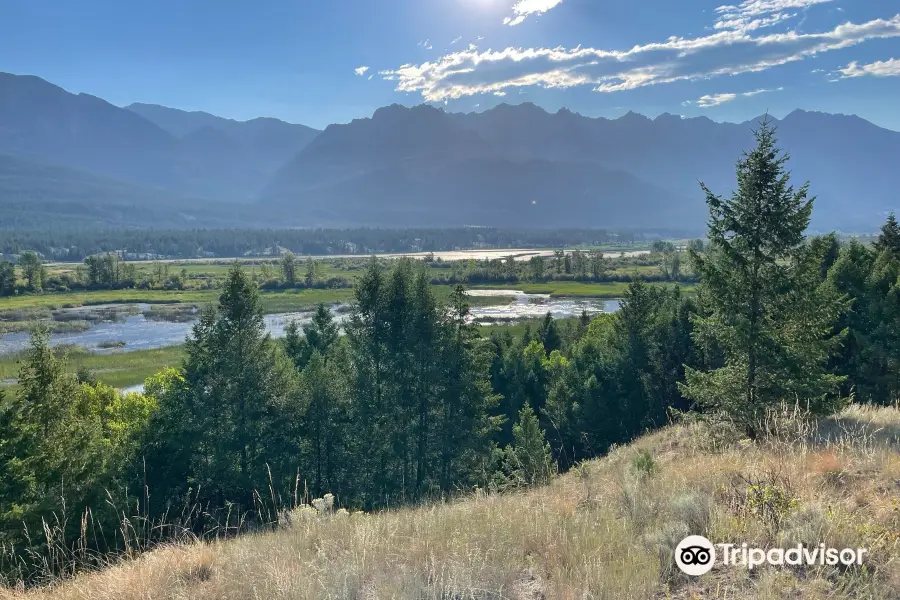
x,y
465,415
214,432
426,342
864,355
322,331
295,345
767,311
889,238
366,334
319,335
52,449
527,462
639,405
549,334
325,413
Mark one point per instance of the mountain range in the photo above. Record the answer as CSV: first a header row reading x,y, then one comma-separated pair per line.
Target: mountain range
x,y
76,156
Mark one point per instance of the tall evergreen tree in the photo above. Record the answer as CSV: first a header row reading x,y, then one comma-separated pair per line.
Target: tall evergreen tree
x,y
889,238
366,334
549,334
325,420
215,428
319,335
465,417
765,309
527,461
52,456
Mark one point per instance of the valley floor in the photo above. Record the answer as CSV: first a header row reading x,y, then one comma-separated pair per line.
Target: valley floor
x,y
605,530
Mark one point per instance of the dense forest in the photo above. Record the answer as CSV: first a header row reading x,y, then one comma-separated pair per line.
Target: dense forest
x,y
75,246
414,403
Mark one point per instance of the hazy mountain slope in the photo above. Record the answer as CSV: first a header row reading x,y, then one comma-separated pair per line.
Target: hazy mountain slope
x,y
489,191
847,159
265,142
36,195
851,163
43,122
394,136
177,122
422,166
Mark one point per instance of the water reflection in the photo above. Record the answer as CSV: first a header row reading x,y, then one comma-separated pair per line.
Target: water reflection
x,y
529,306
138,332
142,333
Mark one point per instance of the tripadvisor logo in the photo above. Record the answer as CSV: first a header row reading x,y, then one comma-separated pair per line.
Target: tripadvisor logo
x,y
695,555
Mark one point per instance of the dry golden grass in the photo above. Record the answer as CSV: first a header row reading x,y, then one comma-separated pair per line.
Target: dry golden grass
x,y
605,530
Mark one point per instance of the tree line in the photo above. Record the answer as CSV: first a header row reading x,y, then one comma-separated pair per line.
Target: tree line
x,y
415,402
75,246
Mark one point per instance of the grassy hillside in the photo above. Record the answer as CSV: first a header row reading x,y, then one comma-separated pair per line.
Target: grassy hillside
x,y
605,530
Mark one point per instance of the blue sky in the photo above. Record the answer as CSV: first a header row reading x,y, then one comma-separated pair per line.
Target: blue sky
x,y
299,60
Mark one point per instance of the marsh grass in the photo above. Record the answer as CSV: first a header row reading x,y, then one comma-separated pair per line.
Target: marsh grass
x,y
272,301
605,530
177,313
117,369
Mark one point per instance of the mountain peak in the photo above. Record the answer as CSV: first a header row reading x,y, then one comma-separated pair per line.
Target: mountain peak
x,y
633,117
668,118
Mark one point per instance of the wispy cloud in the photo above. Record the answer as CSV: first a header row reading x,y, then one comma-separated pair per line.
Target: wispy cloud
x,y
425,44
727,51
455,40
711,100
881,68
525,8
755,14
715,100
361,70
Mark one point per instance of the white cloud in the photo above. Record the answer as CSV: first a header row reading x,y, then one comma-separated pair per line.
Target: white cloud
x,y
711,100
723,52
755,14
525,8
361,70
715,100
425,44
882,68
